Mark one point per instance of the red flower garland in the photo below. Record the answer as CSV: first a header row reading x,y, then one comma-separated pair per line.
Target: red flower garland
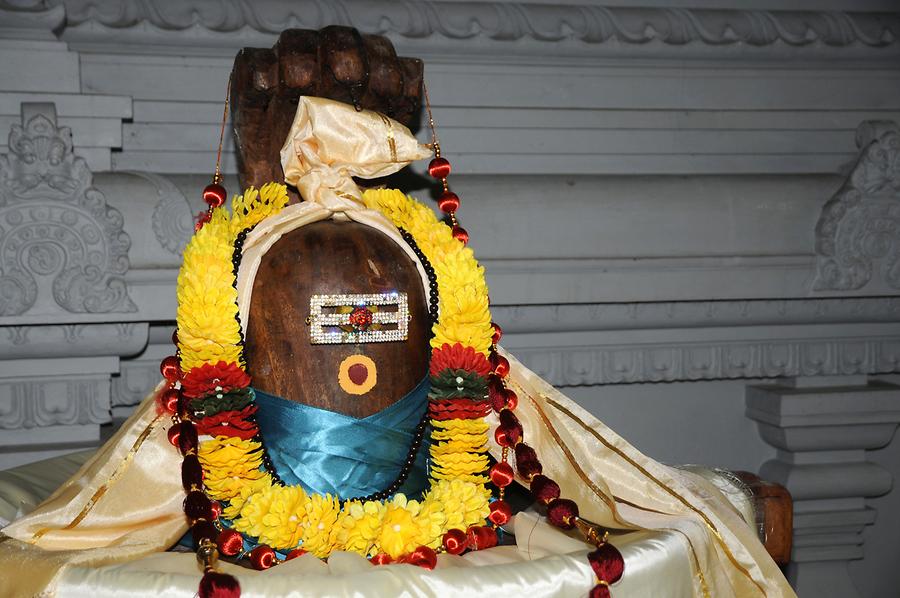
x,y
209,379
457,357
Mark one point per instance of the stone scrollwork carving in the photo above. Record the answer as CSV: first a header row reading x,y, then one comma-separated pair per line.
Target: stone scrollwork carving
x,y
173,223
660,362
499,21
61,245
53,402
858,233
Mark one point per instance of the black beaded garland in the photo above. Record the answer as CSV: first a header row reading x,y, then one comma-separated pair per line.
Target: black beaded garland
x,y
433,309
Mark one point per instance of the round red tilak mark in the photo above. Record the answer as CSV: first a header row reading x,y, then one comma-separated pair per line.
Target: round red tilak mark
x,y
357,373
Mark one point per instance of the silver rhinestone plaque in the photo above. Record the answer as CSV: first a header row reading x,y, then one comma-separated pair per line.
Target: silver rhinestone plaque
x,y
326,325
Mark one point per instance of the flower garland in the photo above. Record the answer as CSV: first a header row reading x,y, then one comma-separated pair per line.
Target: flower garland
x,y
214,413
220,401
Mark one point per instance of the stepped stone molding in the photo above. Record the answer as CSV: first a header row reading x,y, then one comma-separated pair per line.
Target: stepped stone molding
x,y
62,247
822,434
63,340
492,21
860,226
52,402
682,361
679,314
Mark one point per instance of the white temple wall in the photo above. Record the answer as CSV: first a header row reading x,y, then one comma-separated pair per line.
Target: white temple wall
x,y
646,185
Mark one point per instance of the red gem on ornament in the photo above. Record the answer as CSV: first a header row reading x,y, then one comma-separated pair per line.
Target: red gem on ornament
x,y
498,333
448,202
439,168
455,541
170,369
230,542
214,195
262,557
175,337
361,318
216,508
502,474
500,512
294,554
460,234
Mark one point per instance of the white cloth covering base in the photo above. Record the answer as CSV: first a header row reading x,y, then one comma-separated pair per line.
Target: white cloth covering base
x,y
655,562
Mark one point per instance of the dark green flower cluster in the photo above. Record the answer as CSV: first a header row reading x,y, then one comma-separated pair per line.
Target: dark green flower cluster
x,y
454,384
234,400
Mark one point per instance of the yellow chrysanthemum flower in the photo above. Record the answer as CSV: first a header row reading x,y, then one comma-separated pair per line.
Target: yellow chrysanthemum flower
x,y
254,205
469,444
229,463
359,526
455,427
274,515
400,532
319,529
233,509
463,503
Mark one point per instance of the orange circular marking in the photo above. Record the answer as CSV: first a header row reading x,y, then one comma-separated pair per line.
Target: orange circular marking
x,y
357,375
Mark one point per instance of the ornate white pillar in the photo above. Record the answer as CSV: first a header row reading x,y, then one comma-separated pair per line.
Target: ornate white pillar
x,y
822,428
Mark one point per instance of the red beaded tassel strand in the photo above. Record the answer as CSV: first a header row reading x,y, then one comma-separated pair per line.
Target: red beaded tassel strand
x,y
606,561
201,512
440,169
215,194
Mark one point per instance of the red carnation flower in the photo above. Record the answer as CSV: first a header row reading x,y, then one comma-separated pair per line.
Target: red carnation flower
x,y
204,380
458,357
458,409
230,423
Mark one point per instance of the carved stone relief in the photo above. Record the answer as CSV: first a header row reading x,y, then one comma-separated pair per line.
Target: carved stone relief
x,y
61,246
858,233
669,362
173,223
53,402
501,21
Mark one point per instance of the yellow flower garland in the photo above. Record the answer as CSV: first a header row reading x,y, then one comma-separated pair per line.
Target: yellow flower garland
x,y
284,516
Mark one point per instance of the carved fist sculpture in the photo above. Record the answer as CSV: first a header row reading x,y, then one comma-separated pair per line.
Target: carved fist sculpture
x,y
335,62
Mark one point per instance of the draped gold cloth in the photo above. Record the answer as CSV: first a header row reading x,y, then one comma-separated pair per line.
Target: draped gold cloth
x,y
123,507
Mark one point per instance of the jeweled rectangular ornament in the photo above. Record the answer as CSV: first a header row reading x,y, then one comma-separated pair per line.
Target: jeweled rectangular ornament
x,y
358,318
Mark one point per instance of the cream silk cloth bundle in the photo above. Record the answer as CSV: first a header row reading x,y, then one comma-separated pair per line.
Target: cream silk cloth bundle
x,y
105,530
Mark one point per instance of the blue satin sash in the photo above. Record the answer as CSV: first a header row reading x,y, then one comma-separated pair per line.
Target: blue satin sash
x,y
328,452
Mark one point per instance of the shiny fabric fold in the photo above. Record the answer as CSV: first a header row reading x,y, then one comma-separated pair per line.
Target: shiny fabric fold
x,y
328,452
331,142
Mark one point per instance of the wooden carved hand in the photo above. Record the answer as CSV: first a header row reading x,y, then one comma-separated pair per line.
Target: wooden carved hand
x,y
335,62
